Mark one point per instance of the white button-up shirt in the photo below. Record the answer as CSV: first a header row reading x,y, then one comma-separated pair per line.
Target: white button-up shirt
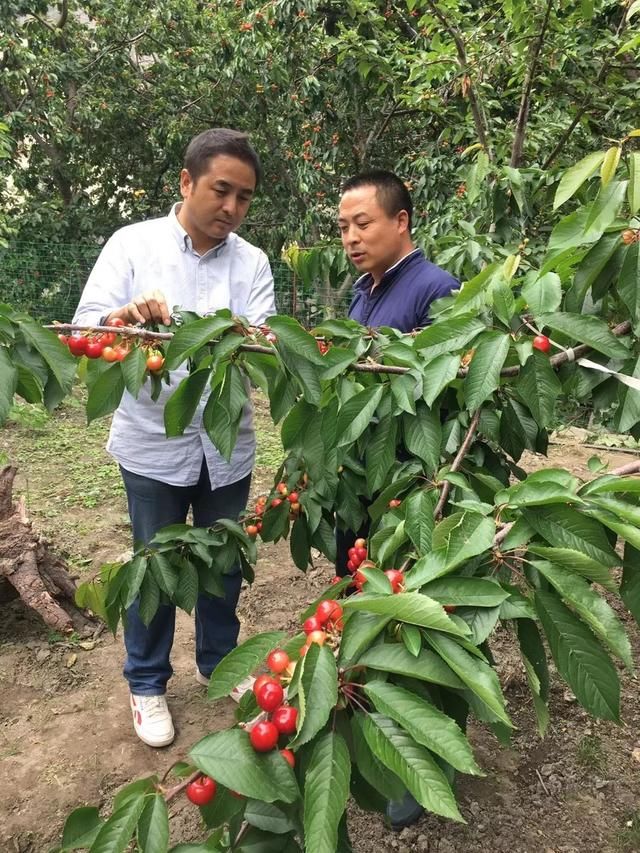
x,y
158,255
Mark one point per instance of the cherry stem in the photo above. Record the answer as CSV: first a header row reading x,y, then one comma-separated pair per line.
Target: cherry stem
x,y
171,793
457,462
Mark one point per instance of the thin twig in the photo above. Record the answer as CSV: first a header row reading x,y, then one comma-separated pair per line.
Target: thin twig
x,y
457,462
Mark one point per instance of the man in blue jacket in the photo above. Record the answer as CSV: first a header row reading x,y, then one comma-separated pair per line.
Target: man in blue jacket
x,y
398,284
396,288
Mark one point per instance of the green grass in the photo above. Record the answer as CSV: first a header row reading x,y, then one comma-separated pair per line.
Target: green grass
x,y
590,753
628,838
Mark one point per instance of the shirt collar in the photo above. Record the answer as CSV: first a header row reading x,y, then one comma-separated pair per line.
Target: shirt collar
x,y
184,241
365,281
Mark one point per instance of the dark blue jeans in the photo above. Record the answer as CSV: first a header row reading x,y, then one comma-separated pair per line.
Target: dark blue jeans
x,y
153,505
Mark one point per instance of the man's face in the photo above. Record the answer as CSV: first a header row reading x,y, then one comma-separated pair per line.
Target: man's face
x,y
372,239
218,201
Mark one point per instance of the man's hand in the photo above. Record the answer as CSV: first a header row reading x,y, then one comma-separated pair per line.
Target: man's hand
x,y
149,306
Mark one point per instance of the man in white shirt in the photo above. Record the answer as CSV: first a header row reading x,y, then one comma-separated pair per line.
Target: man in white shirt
x,y
194,260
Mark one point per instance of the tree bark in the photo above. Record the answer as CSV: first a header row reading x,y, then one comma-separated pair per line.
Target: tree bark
x,y
38,576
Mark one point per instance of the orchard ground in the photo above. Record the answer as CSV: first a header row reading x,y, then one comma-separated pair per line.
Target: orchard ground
x,y
66,737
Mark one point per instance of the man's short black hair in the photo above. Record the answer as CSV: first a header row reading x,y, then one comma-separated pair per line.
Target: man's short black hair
x,y
391,192
216,141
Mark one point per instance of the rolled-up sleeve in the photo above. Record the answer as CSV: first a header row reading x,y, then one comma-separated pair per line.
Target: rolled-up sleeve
x,y
109,285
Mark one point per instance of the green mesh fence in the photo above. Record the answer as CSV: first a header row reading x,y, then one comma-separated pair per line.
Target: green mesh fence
x,y
46,281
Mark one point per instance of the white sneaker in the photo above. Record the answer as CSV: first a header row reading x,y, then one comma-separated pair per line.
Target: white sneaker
x,y
152,720
237,693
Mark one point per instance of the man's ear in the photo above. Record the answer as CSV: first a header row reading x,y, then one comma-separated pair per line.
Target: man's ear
x,y
186,183
403,221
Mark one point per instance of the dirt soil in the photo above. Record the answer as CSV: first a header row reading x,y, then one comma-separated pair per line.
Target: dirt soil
x,y
66,737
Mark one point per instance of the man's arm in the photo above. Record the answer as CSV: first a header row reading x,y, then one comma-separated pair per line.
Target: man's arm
x,y
261,302
110,292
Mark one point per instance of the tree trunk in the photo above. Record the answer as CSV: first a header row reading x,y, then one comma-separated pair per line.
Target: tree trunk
x,y
41,579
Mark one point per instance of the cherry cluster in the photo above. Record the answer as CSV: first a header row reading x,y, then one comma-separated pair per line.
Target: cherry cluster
x,y
110,346
325,625
270,696
280,494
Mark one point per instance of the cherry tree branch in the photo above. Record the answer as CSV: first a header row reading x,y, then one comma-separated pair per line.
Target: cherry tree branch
x,y
457,462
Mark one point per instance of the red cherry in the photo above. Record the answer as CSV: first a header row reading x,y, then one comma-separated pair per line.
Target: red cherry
x,y
360,543
276,502
394,503
289,757
352,552
201,791
264,736
450,608
64,339
325,610
251,530
542,343
270,696
278,661
335,580
361,554
261,680
285,719
293,497
351,566
94,349
77,344
396,578
116,321
311,624
109,354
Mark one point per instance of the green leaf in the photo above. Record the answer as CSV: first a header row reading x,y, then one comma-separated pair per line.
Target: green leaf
x,y
479,677
114,835
538,387
268,817
473,592
629,404
297,339
564,527
574,177
423,435
411,607
481,621
241,662
455,540
591,607
187,590
300,543
543,294
504,303
81,828
580,659
484,371
134,370
412,763
359,632
586,329
535,493
403,389
183,403
381,452
412,639
633,189
426,724
153,828
448,336
578,562
603,211
419,522
318,692
105,393
191,337
356,414
228,757
610,164
370,767
426,666
440,373
535,664
326,790
58,359
630,585
8,383
628,282
377,581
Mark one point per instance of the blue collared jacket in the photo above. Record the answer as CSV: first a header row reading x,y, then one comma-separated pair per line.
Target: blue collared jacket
x,y
404,295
